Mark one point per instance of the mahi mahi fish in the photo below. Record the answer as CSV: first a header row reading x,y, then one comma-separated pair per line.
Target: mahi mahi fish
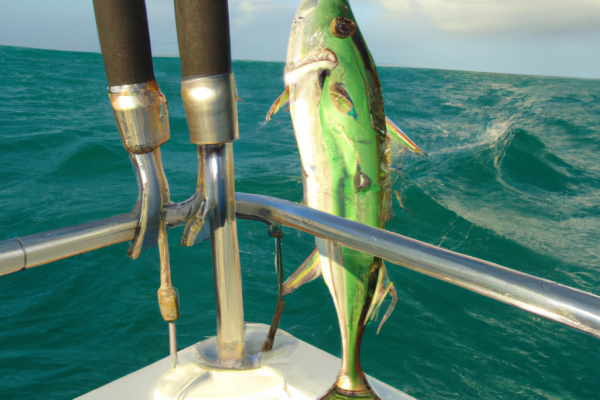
x,y
336,105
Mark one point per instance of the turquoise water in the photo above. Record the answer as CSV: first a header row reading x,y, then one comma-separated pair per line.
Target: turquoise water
x,y
513,177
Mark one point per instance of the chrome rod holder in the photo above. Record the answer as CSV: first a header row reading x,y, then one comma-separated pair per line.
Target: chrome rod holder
x,y
209,97
196,222
153,195
225,251
141,114
142,117
210,106
143,120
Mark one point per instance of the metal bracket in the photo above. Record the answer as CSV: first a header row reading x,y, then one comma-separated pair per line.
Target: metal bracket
x,y
153,194
143,120
142,116
210,106
196,229
154,204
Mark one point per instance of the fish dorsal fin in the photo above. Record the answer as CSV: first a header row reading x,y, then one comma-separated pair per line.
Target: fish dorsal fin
x,y
281,101
307,272
399,136
340,98
384,286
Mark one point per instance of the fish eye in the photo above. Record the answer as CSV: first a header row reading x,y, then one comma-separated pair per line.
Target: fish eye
x,y
342,27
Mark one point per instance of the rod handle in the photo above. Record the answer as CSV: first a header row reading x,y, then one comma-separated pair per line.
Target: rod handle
x,y
203,35
125,41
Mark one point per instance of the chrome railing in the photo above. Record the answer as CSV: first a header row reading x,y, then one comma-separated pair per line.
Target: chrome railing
x,y
542,297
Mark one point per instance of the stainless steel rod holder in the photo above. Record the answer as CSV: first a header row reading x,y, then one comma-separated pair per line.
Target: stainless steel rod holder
x,y
219,180
209,97
142,116
153,195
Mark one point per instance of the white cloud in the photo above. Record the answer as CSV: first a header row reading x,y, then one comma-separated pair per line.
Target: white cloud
x,y
246,11
260,28
485,16
553,37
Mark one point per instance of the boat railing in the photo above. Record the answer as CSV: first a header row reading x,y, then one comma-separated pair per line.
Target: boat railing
x,y
547,299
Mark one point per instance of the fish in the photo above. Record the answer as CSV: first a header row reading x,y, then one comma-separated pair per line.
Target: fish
x,y
336,105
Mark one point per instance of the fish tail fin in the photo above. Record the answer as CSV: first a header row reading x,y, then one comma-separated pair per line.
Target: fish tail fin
x,y
390,308
383,288
281,101
399,136
307,272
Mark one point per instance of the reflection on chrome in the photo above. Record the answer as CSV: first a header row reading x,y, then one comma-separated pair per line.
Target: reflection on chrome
x,y
210,106
142,116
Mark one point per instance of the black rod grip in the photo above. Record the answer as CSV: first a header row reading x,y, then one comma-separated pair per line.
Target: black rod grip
x,y
125,41
203,35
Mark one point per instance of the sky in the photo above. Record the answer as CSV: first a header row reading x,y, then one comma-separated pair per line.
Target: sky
x,y
536,37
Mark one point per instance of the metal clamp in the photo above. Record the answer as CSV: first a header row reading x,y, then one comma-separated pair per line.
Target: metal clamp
x,y
210,106
196,224
141,114
142,117
154,204
153,195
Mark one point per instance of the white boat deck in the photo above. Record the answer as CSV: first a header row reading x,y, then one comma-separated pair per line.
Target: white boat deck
x,y
292,370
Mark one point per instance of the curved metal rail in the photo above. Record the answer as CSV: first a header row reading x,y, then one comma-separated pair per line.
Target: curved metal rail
x,y
542,297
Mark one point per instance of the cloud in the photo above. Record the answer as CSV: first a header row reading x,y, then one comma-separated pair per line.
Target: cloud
x,y
260,28
554,37
246,11
488,16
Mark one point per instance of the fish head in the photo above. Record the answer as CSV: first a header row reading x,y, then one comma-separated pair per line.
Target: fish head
x,y
319,26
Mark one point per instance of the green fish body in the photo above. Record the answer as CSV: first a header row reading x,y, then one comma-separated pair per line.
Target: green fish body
x,y
337,111
339,120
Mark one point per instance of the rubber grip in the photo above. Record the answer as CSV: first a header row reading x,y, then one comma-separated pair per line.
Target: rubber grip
x,y
125,41
203,35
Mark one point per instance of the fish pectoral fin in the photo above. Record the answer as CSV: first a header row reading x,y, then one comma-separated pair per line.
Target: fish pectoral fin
x,y
279,103
383,288
392,291
307,272
399,136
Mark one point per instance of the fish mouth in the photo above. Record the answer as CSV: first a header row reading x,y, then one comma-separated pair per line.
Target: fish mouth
x,y
317,60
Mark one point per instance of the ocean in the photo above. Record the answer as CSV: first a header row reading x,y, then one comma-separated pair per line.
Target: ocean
x,y
513,177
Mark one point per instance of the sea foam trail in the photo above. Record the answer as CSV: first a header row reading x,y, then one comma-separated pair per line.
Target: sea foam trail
x,y
505,159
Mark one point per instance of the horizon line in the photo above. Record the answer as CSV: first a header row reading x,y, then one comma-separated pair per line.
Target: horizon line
x,y
383,65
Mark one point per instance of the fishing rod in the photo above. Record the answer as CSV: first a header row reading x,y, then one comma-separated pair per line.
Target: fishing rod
x,y
209,97
140,109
